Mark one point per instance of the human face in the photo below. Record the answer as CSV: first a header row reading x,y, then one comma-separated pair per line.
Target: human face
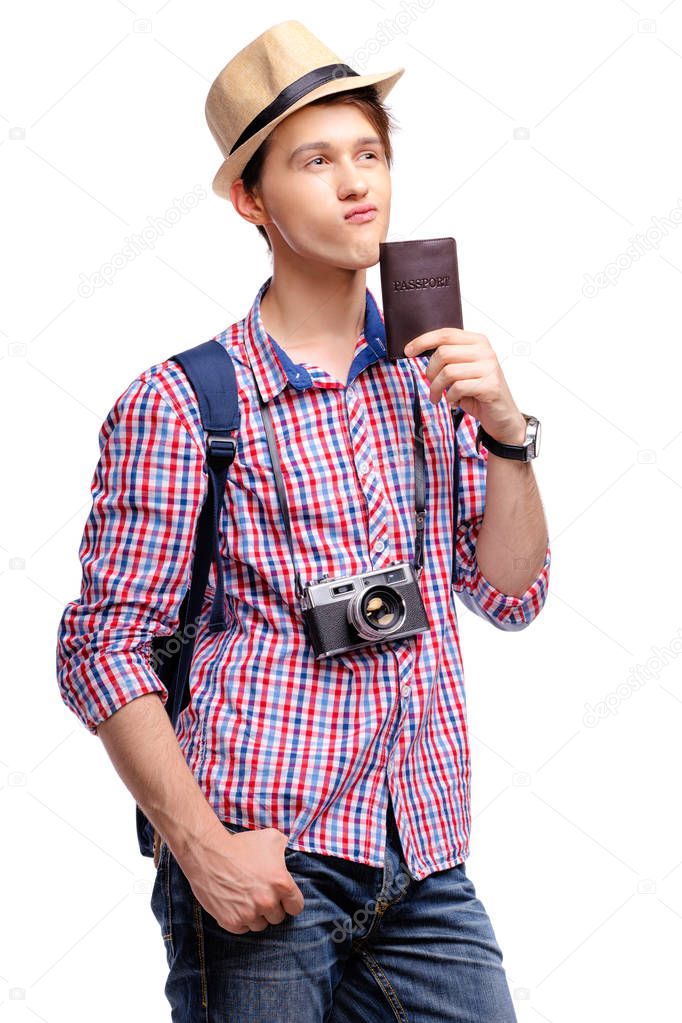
x,y
307,192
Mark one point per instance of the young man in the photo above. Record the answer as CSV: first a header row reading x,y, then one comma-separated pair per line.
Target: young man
x,y
313,813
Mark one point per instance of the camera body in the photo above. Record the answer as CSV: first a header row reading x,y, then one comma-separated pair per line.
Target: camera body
x,y
355,611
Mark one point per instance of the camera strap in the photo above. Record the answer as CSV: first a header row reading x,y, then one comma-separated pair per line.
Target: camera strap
x,y
420,512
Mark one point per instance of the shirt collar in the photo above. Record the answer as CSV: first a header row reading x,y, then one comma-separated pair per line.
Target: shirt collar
x,y
271,365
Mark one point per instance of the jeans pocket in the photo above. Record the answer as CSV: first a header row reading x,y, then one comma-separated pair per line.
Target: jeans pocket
x,y
161,902
291,855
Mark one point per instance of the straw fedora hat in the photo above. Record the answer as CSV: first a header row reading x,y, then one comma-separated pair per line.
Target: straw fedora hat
x,y
283,69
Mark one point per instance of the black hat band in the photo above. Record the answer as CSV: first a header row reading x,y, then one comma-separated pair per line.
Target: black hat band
x,y
289,95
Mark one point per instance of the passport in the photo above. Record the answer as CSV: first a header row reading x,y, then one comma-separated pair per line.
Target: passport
x,y
419,290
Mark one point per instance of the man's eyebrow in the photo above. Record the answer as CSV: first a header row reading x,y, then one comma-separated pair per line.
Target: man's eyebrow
x,y
366,140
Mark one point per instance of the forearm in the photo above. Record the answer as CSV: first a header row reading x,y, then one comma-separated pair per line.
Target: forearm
x,y
513,537
143,747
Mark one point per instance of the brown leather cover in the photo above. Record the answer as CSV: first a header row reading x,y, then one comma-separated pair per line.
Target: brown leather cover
x,y
419,290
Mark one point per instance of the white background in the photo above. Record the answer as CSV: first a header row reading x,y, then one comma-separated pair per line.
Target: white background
x,y
545,138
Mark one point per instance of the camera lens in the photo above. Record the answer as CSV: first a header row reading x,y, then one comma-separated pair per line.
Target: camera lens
x,y
378,610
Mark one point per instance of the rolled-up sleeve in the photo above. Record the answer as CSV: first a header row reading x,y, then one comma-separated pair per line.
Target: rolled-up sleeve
x,y
477,593
136,555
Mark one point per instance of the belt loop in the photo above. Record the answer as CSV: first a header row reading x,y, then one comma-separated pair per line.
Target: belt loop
x,y
157,847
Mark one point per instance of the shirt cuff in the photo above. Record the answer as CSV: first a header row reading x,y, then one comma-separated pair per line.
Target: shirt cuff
x,y
95,687
503,610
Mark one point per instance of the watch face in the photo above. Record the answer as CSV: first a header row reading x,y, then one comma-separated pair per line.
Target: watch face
x,y
537,438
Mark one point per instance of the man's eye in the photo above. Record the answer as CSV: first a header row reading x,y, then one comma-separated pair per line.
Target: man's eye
x,y
368,153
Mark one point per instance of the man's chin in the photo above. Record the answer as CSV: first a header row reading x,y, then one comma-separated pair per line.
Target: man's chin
x,y
368,257
358,265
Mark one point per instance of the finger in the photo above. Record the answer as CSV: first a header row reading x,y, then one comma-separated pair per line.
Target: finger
x,y
293,902
276,916
447,356
462,389
455,353
436,338
259,923
447,377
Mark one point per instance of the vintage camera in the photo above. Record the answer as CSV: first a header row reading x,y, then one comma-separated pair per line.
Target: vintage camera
x,y
360,610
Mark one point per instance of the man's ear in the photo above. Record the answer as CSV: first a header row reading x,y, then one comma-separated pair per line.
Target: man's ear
x,y
248,205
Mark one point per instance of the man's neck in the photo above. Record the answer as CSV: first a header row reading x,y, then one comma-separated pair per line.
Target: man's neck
x,y
311,312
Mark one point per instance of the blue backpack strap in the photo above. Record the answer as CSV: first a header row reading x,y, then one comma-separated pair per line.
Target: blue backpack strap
x,y
211,372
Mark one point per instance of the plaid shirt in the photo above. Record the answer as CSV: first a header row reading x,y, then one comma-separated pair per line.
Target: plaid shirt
x,y
274,737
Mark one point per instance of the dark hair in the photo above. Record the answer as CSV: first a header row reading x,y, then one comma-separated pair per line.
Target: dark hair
x,y
366,98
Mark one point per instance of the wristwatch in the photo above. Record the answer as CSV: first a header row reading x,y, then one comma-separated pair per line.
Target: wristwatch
x,y
522,452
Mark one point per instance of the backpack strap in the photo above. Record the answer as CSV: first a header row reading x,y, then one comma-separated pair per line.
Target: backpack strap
x,y
211,372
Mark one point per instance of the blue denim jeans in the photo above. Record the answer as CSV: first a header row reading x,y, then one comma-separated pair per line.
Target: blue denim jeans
x,y
370,945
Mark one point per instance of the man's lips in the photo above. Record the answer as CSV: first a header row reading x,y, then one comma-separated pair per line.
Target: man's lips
x,y
362,207
362,214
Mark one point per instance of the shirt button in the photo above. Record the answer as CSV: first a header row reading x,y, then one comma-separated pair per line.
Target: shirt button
x,y
363,468
379,545
406,689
